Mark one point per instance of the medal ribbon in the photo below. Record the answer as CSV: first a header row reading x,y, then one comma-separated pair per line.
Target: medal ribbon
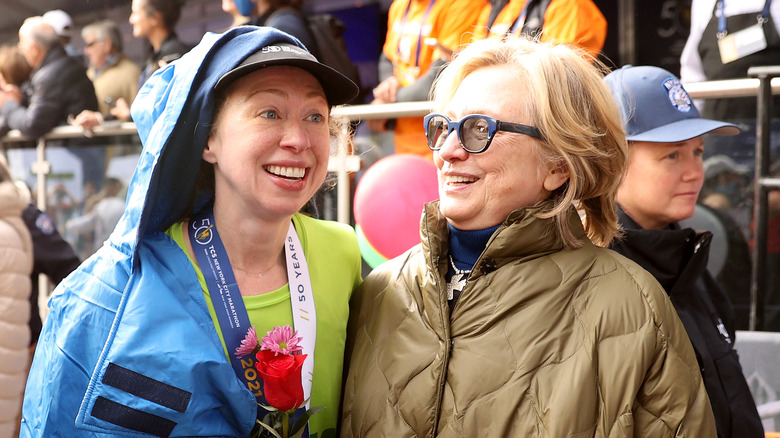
x,y
229,305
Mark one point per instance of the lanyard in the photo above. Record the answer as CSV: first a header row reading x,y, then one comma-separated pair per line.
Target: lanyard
x,y
721,5
419,34
520,20
229,305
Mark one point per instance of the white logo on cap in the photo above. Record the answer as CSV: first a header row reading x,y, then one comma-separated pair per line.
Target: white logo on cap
x,y
677,95
269,49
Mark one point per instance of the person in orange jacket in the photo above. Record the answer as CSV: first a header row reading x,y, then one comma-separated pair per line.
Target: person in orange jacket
x,y
576,22
421,36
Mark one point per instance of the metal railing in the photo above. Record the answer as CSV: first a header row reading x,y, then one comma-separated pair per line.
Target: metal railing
x,y
763,183
764,85
340,164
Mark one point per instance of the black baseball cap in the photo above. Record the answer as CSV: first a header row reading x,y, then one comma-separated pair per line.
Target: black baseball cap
x,y
338,88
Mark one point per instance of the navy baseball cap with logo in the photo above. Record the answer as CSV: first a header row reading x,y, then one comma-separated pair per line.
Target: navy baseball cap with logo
x,y
338,88
656,108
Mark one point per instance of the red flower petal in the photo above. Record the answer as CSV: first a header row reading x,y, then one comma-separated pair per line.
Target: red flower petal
x,y
281,376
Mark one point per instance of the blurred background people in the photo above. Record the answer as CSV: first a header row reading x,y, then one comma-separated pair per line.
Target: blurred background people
x,y
114,76
664,176
52,256
725,177
230,7
155,21
576,22
285,15
421,37
16,264
726,38
59,86
14,69
14,75
99,218
63,26
725,210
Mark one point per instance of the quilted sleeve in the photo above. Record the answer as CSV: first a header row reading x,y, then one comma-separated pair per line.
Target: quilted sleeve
x,y
672,400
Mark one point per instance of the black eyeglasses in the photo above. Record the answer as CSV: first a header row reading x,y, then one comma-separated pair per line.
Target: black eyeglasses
x,y
475,131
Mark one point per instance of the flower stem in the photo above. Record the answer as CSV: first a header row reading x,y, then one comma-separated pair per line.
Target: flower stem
x,y
285,424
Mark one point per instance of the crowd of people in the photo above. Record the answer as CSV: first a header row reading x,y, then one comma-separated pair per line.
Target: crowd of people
x,y
556,289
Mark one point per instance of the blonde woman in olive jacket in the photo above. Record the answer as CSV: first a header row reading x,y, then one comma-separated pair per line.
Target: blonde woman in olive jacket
x,y
16,262
511,319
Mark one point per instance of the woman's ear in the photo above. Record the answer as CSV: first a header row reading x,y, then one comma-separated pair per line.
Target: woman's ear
x,y
208,153
555,177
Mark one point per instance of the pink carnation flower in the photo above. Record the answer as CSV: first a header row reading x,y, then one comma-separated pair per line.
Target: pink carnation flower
x,y
282,340
248,344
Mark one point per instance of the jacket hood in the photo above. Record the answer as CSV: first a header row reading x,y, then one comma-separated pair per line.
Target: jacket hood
x,y
172,113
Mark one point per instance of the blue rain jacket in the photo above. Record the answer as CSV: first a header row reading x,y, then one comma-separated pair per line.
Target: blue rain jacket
x,y
129,347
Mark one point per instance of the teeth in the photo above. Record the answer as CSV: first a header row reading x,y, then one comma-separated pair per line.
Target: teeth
x,y
286,172
460,179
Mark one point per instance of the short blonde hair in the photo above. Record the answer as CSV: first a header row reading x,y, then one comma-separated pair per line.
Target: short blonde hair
x,y
571,105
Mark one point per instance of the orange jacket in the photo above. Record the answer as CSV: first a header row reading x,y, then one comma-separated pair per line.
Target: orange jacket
x,y
413,25
578,22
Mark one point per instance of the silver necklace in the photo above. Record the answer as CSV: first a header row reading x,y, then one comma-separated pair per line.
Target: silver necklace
x,y
259,274
458,280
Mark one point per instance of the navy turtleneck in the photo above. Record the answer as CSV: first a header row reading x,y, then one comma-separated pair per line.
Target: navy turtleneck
x,y
467,245
465,248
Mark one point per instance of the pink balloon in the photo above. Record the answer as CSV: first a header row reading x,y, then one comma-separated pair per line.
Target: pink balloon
x,y
389,199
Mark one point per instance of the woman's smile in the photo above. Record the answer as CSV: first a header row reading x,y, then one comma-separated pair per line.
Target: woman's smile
x,y
287,172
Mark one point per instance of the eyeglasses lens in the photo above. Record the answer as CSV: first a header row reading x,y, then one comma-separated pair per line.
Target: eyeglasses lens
x,y
474,133
437,132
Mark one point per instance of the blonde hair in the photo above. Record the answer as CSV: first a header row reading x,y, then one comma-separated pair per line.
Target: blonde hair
x,y
571,105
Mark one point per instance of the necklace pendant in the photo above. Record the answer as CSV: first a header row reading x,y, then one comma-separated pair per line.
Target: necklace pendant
x,y
457,281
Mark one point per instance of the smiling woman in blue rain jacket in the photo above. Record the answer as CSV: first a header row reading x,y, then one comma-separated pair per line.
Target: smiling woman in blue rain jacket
x,y
132,345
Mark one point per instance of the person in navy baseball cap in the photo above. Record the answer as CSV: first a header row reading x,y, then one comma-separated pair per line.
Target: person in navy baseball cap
x,y
664,175
656,108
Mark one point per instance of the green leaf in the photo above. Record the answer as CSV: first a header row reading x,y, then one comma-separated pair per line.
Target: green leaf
x,y
268,408
270,429
299,426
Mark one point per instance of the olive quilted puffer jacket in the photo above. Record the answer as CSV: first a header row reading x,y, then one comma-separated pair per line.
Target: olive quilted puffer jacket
x,y
544,341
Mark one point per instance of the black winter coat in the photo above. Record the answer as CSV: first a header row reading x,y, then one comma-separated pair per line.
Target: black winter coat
x,y
171,49
677,258
58,87
52,256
